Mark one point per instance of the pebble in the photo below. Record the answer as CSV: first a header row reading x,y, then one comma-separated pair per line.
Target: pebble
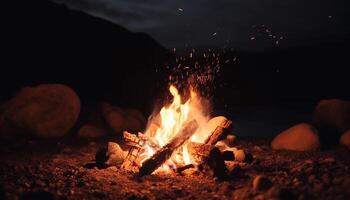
x,y
261,183
328,160
257,148
239,155
311,178
233,168
231,139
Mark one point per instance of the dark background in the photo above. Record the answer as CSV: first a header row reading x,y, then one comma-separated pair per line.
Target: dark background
x,y
263,91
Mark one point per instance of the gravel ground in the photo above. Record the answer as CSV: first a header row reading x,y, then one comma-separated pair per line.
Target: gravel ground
x,y
57,170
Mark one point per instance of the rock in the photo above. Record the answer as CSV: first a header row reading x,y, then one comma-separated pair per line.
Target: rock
x,y
115,154
311,178
228,155
136,114
241,193
261,183
240,155
301,137
345,138
231,139
233,168
120,120
114,117
44,111
90,131
235,154
276,192
257,148
333,113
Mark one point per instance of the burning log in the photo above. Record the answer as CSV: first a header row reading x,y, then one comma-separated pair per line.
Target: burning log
x,y
166,151
207,155
199,151
185,167
219,133
131,162
214,163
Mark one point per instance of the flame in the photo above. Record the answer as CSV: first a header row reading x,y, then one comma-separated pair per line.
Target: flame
x,y
172,119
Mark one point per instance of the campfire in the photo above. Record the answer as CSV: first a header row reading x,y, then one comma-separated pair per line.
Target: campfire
x,y
181,136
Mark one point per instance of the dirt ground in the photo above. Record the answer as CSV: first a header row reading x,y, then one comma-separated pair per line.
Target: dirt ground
x,y
57,170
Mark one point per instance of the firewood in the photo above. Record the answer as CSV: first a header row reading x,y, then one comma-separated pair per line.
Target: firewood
x,y
207,155
139,140
166,151
198,151
206,158
214,164
219,133
133,140
136,143
185,167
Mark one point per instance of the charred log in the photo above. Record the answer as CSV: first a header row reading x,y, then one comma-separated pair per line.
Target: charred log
x,y
185,167
214,164
166,151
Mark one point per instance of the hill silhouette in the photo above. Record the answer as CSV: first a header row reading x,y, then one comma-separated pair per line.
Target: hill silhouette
x,y
44,42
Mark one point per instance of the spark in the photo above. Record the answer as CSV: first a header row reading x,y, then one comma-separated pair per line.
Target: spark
x,y
180,9
214,34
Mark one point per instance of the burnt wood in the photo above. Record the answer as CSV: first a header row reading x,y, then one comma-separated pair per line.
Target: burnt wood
x,y
162,155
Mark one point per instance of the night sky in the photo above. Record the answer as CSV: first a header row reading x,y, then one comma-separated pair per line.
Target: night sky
x,y
240,24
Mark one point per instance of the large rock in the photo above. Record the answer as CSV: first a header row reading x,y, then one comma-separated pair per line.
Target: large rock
x,y
45,111
120,120
301,137
333,114
345,138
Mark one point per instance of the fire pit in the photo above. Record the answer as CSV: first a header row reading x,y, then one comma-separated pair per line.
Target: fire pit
x,y
180,137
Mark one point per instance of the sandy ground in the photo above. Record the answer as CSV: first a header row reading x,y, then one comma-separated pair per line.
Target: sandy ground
x,y
55,170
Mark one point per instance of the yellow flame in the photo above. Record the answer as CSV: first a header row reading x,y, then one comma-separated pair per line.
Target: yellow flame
x,y
172,119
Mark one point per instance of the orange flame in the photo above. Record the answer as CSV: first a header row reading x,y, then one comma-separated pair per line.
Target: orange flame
x,y
172,119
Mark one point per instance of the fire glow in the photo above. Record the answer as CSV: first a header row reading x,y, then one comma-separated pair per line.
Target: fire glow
x,y
171,119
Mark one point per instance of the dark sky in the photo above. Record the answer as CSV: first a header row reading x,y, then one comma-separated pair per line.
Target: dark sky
x,y
241,24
